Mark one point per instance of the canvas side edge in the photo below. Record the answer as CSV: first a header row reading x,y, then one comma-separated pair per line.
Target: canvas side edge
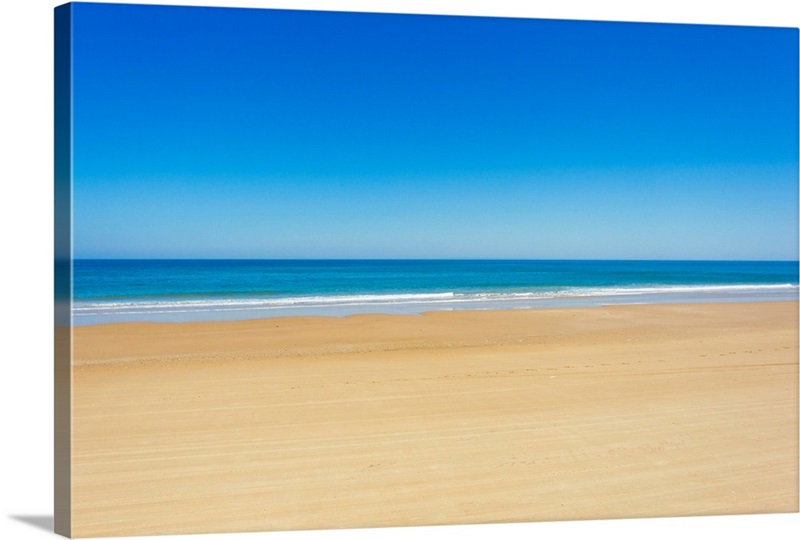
x,y
62,269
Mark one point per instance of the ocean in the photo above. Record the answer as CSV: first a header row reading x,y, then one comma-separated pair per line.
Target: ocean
x,y
107,291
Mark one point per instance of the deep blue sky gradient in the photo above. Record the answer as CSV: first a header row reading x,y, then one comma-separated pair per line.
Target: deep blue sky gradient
x,y
203,132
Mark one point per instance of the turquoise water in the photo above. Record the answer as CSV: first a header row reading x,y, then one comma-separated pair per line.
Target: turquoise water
x,y
183,290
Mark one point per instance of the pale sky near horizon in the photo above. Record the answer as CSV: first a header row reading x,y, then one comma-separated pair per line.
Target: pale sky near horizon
x,y
203,132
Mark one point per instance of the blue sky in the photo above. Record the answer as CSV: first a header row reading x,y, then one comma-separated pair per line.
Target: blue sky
x,y
205,132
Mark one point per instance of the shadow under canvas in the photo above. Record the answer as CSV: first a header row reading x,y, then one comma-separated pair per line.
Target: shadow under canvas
x,y
40,521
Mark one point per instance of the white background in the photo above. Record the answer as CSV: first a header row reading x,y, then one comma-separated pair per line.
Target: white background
x,y
26,207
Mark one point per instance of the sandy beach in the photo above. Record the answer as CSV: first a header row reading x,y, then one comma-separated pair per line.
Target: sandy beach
x,y
441,418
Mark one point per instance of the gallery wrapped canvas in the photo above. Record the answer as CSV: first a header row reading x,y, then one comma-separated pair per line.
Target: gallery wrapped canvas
x,y
334,270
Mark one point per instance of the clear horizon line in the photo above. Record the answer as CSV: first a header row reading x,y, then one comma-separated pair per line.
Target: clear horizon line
x,y
420,259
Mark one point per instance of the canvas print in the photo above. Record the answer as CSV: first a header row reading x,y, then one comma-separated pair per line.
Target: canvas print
x,y
324,269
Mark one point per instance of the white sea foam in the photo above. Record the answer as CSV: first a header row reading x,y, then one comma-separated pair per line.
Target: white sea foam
x,y
476,300
226,304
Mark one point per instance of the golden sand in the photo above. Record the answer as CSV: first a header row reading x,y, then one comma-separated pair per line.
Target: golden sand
x,y
443,418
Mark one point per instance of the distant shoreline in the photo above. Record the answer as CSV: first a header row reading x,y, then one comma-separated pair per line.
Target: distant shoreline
x,y
234,312
190,290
